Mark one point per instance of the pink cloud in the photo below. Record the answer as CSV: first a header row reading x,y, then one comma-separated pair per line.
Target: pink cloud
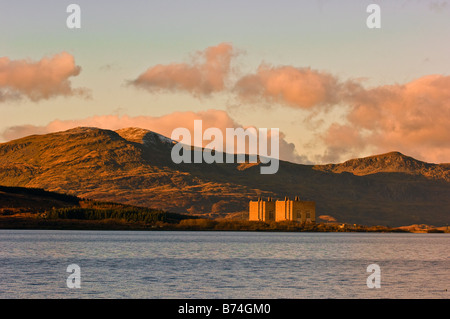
x,y
41,80
287,85
207,73
413,118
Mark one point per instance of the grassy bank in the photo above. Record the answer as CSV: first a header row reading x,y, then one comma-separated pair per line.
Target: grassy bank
x,y
90,219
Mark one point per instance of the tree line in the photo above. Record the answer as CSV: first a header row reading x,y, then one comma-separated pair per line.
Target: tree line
x,y
116,212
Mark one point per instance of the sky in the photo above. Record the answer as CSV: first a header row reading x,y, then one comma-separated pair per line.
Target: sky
x,y
335,88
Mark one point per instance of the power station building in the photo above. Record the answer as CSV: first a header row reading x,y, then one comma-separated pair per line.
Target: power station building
x,y
280,210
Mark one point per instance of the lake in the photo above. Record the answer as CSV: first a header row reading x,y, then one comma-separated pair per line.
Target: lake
x,y
175,264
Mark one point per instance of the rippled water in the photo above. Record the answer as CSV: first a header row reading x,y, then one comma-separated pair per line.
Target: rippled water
x,y
123,264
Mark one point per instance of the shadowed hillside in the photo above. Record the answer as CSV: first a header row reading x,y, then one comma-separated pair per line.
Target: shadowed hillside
x,y
133,166
36,208
17,199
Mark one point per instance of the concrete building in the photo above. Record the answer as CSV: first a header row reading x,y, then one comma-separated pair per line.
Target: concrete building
x,y
280,210
262,210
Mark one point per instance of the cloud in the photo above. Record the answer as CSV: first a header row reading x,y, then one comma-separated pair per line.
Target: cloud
x,y
163,125
342,142
295,87
41,80
206,74
413,118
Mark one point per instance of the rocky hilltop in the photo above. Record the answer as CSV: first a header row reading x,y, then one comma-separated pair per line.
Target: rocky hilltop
x,y
393,162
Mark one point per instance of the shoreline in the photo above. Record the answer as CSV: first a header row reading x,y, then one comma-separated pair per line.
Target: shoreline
x,y
34,223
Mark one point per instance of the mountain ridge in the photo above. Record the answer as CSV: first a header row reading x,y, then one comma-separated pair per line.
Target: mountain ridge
x,y
389,162
133,166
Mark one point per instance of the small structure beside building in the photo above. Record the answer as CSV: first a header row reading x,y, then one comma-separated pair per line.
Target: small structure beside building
x,y
280,210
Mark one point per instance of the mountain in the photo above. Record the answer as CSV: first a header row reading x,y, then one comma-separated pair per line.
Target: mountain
x,y
393,162
133,166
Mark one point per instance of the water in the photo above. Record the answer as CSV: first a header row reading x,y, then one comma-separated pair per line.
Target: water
x,y
125,264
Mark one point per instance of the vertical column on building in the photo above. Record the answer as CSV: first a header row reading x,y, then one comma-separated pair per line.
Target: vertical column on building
x,y
263,210
287,208
259,208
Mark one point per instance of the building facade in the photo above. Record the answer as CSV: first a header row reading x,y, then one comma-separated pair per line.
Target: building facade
x,y
280,210
262,210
